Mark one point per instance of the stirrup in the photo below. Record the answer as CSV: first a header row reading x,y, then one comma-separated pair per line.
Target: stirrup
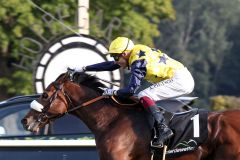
x,y
156,146
161,140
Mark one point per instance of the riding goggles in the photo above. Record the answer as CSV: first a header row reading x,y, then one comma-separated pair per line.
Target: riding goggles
x,y
116,56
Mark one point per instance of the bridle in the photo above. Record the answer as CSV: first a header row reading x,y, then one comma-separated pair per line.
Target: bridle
x,y
44,116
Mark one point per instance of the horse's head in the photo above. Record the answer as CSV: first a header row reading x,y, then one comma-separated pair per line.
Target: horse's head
x,y
56,100
52,103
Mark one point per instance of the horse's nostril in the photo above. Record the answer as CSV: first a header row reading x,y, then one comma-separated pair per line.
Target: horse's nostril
x,y
24,121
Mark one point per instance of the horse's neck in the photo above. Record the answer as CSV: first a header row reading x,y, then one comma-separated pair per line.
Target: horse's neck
x,y
99,115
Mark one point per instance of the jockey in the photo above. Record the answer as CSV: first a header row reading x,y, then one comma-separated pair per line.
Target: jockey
x,y
169,78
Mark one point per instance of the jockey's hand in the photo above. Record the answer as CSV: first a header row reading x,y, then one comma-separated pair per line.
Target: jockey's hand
x,y
75,70
108,91
80,69
70,71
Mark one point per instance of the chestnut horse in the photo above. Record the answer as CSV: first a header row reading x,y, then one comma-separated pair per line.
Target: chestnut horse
x,y
123,133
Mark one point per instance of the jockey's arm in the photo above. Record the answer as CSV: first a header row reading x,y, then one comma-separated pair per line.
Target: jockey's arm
x,y
103,66
138,72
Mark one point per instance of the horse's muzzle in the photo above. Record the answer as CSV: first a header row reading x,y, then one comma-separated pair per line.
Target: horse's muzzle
x,y
30,126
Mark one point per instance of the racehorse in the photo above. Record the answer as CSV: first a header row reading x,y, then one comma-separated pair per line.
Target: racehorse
x,y
123,133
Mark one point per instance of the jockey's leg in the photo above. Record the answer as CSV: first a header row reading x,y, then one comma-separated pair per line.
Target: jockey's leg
x,y
164,132
181,83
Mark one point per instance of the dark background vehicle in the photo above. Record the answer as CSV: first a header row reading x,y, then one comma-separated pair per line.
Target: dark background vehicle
x,y
66,138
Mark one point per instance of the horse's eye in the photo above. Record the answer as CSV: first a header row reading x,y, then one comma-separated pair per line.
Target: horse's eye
x,y
44,95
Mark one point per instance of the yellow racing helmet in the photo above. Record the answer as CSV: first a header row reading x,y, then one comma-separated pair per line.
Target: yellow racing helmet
x,y
120,44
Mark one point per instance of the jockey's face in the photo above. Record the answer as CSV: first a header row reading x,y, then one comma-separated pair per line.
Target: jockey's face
x,y
123,59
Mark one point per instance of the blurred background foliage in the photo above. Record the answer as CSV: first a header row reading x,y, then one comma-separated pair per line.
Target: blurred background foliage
x,y
20,19
220,102
204,35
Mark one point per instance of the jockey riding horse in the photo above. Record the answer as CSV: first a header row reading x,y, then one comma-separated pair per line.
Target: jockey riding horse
x,y
169,78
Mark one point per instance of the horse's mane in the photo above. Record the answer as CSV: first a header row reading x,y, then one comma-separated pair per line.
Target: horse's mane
x,y
88,80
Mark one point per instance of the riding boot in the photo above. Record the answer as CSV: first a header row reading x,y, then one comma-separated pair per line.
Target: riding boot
x,y
164,132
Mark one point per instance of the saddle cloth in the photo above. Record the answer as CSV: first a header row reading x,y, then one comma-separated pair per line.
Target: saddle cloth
x,y
190,131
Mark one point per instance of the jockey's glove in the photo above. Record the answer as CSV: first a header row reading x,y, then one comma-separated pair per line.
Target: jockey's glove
x,y
108,91
81,69
72,71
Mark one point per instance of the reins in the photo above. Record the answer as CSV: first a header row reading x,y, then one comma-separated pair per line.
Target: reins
x,y
86,103
73,109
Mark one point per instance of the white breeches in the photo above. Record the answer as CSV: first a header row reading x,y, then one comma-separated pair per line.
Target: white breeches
x,y
182,83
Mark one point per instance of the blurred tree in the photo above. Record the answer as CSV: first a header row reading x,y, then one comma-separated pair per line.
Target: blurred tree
x,y
225,102
138,19
199,37
19,19
228,80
